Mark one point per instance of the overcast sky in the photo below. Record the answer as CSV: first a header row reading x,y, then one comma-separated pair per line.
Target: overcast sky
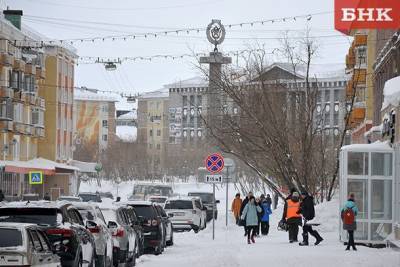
x,y
134,16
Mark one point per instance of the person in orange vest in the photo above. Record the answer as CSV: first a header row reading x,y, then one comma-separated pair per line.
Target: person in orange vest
x,y
236,204
292,217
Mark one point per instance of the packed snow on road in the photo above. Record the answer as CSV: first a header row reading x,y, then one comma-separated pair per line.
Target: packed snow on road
x,y
230,247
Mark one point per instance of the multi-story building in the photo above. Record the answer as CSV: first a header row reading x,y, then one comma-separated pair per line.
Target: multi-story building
x,y
126,121
23,76
153,132
94,122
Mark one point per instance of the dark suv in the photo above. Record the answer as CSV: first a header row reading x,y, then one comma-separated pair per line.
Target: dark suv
x,y
63,225
153,227
207,200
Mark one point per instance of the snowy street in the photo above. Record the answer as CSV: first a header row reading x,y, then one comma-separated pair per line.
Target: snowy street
x,y
231,249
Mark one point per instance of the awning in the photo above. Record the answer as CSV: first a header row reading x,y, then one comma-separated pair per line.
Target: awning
x,y
85,167
48,167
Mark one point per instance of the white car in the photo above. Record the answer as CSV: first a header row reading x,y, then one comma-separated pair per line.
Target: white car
x,y
24,244
97,225
187,213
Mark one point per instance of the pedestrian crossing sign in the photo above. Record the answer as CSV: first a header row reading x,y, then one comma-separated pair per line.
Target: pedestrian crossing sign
x,y
36,177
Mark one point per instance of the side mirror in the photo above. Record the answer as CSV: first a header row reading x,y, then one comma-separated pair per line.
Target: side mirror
x,y
217,201
112,224
90,224
170,215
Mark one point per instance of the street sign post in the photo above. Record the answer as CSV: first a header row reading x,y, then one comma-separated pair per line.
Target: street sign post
x,y
214,164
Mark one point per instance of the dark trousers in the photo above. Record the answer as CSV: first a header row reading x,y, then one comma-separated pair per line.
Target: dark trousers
x,y
351,240
251,231
258,228
308,229
293,231
264,228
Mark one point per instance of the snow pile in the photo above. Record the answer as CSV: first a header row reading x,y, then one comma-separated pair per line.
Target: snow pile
x,y
124,189
126,133
391,92
374,129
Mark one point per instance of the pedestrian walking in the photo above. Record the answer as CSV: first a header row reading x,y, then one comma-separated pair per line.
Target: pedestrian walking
x,y
259,214
349,213
1,195
266,207
292,217
308,212
250,215
244,203
46,197
236,205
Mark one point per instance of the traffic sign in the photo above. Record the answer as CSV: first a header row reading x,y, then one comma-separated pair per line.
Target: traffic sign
x,y
214,163
36,177
214,179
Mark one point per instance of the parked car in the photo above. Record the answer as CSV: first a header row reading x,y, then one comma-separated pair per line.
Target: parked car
x,y
63,225
106,195
143,191
187,213
24,244
87,196
169,234
158,199
96,224
154,234
208,200
137,226
125,248
70,198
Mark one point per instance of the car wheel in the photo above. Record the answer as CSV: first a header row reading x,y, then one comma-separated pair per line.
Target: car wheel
x,y
196,230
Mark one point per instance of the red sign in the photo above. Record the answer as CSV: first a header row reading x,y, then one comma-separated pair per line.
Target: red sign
x,y
366,14
214,163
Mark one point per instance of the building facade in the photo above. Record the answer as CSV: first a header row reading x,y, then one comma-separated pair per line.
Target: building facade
x,y
153,128
94,123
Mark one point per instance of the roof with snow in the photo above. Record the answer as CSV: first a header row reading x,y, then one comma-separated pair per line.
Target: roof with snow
x,y
391,92
196,81
125,105
131,115
86,94
126,133
377,146
162,93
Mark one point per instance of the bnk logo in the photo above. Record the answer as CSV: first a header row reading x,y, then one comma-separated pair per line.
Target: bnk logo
x,y
366,14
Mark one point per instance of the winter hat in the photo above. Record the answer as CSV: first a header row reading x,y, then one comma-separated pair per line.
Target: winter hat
x,y
304,193
262,196
295,194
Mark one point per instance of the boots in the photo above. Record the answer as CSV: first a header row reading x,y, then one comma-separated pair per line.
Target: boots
x,y
304,243
252,239
248,241
318,238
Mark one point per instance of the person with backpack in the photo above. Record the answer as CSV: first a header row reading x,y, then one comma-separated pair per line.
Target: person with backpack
x,y
292,217
250,216
308,212
349,213
266,207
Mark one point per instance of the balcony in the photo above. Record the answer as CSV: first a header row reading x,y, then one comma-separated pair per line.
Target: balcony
x,y
6,92
30,69
40,102
39,132
29,129
6,59
24,97
32,99
19,65
19,128
6,125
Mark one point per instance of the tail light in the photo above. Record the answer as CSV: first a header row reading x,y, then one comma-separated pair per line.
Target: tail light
x,y
63,232
94,230
119,232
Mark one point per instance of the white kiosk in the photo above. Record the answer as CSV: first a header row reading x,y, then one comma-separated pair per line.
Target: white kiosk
x,y
367,170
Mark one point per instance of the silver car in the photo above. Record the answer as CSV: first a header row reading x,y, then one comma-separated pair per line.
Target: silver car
x,y
125,241
24,244
96,224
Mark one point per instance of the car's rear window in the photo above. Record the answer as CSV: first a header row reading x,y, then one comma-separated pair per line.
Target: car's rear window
x,y
205,197
158,199
86,214
10,237
89,197
147,212
30,215
179,205
109,215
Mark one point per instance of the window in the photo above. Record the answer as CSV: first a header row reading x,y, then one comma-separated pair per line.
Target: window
x,y
359,187
158,147
35,240
381,164
336,119
184,100
150,146
199,100
327,119
105,123
336,95
18,112
357,163
327,96
381,199
192,103
43,241
10,237
105,137
361,56
158,132
151,132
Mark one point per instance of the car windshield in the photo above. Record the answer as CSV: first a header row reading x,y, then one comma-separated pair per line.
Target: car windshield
x,y
205,197
179,205
89,197
109,215
145,211
29,215
86,214
158,199
10,237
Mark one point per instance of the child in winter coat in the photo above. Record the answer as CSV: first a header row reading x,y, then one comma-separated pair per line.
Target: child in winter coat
x,y
348,214
266,207
250,215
